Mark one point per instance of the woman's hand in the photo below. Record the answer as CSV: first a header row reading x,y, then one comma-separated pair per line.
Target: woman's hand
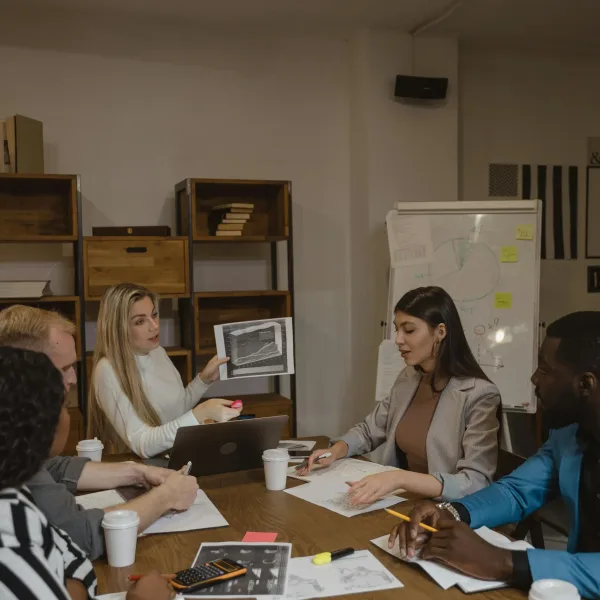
x,y
210,373
373,487
337,451
216,409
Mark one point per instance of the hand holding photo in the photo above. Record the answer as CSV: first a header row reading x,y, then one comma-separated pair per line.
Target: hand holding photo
x,y
256,348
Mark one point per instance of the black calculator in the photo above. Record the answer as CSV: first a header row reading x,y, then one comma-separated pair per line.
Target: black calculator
x,y
207,574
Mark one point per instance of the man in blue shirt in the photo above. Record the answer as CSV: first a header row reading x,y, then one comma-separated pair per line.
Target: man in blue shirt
x,y
567,383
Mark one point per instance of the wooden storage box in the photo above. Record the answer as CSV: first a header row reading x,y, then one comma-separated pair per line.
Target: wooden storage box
x,y
160,264
218,308
40,208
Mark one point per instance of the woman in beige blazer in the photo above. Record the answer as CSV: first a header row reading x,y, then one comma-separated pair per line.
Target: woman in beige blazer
x,y
440,422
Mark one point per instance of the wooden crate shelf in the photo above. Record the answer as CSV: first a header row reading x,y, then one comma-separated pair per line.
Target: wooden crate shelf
x,y
158,263
269,221
38,208
67,306
218,308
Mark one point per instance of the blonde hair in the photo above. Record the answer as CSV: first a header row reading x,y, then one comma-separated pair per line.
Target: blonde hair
x,y
29,328
113,343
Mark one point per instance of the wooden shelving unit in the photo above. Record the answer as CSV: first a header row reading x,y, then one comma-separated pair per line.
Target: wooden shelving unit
x,y
47,209
270,223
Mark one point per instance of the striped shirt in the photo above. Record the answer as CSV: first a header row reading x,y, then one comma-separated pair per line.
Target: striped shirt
x,y
36,558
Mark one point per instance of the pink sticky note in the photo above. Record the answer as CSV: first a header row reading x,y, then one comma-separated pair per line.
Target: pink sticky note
x,y
258,536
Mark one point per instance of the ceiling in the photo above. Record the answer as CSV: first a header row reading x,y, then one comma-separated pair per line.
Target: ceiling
x,y
565,21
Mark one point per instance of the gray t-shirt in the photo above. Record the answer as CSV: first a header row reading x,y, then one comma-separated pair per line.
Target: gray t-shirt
x,y
53,489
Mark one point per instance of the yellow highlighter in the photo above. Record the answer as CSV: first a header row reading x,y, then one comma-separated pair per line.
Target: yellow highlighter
x,y
326,557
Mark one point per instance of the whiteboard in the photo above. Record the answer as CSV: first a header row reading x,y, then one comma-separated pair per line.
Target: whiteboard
x,y
486,255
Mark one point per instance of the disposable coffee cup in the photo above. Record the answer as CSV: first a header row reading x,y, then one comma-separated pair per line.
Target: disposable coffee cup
x,y
553,589
91,449
276,465
120,535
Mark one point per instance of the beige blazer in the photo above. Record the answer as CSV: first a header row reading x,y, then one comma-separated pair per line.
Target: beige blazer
x,y
462,442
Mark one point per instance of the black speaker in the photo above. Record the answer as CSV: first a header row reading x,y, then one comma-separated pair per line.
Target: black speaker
x,y
422,88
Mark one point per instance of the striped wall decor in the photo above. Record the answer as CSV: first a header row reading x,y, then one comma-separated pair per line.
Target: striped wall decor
x,y
557,188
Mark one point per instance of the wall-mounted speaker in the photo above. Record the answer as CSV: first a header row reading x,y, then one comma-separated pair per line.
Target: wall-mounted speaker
x,y
421,88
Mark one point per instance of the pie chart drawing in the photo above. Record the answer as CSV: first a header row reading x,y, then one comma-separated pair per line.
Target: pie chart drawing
x,y
467,270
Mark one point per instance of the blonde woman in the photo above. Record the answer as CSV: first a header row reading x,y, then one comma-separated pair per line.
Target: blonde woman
x,y
136,398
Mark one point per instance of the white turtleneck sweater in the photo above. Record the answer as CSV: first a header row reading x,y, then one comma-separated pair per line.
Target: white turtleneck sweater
x,y
165,392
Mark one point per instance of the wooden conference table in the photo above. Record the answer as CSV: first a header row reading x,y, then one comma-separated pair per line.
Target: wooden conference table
x,y
248,506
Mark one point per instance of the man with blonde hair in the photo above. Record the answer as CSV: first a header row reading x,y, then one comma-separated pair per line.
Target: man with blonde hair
x,y
54,486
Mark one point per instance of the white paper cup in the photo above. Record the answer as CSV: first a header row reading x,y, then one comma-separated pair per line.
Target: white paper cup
x,y
120,535
553,589
276,465
91,449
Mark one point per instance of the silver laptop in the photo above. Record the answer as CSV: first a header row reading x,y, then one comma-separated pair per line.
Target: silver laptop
x,y
226,447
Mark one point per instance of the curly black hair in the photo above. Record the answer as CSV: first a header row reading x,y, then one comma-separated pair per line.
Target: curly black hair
x,y
31,397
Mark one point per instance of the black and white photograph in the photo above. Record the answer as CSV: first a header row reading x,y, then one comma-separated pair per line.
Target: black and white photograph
x,y
267,566
256,348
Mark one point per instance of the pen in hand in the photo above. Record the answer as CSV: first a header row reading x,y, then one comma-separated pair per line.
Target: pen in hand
x,y
304,463
185,470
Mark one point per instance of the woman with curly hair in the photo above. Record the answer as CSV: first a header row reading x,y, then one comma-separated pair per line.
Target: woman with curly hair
x,y
37,559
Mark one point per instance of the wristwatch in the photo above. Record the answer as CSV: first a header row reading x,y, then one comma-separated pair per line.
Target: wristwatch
x,y
447,506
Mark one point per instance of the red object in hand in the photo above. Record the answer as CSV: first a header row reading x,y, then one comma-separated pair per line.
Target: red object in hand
x,y
237,404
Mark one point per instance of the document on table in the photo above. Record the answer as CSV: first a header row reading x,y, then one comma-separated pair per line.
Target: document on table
x,y
102,499
347,469
203,514
446,577
333,495
359,573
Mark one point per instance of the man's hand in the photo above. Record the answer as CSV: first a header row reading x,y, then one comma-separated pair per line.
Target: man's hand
x,y
149,477
180,489
151,587
411,537
458,546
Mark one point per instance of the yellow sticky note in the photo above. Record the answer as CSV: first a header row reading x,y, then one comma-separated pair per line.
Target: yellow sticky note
x,y
525,231
509,254
503,300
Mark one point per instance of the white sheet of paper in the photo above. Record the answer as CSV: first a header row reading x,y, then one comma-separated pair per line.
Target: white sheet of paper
x,y
333,495
347,469
359,573
115,596
389,365
102,499
203,514
446,577
297,444
409,239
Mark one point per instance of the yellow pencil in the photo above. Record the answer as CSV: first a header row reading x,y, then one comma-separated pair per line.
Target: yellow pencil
x,y
405,518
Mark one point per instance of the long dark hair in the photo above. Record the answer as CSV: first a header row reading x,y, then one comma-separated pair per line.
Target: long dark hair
x,y
434,306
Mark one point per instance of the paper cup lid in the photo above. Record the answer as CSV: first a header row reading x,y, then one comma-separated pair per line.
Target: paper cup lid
x,y
553,589
276,454
120,519
94,444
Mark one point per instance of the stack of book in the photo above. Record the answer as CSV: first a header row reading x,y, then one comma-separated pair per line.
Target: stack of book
x,y
228,220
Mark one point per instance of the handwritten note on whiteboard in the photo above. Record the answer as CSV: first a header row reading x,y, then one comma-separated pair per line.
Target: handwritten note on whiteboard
x,y
409,238
509,254
525,232
503,300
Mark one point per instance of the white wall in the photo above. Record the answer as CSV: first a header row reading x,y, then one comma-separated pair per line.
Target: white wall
x,y
135,108
532,107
